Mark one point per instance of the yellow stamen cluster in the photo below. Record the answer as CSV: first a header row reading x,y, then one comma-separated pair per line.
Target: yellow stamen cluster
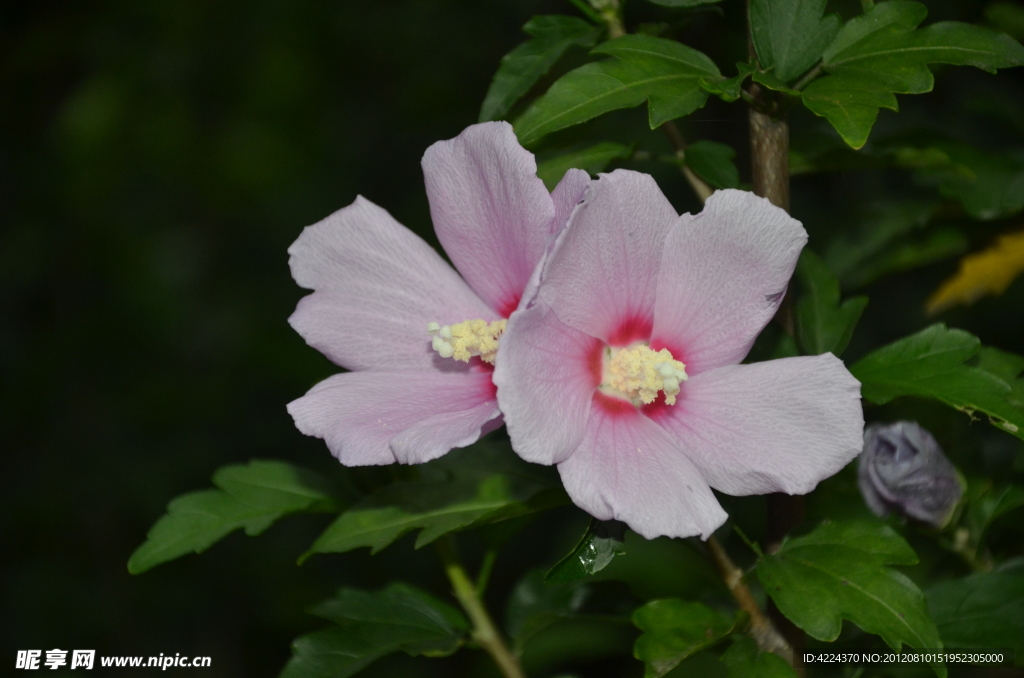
x,y
467,339
639,373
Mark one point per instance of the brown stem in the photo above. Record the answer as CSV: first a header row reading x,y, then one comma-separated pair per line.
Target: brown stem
x,y
769,157
675,137
762,629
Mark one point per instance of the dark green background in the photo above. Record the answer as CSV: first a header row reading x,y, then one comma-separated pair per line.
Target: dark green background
x,y
156,160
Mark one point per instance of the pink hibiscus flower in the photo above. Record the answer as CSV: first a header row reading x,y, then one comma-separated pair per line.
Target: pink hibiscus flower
x,y
420,340
623,370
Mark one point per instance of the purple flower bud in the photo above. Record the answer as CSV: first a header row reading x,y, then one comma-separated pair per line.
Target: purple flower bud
x,y
902,469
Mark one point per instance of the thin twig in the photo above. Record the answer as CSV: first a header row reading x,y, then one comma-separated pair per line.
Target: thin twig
x,y
806,80
748,541
763,631
675,137
484,632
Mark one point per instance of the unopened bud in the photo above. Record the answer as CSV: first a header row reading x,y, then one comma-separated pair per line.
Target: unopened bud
x,y
903,470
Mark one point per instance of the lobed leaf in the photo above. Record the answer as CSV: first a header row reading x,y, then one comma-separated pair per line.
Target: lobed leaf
x,y
527,63
823,324
674,630
790,35
931,364
251,497
882,53
369,625
836,572
662,72
477,485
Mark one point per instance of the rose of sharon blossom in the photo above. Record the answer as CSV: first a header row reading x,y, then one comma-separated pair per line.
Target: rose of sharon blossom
x,y
419,340
624,369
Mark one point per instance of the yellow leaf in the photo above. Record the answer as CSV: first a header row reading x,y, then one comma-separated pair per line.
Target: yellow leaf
x,y
987,272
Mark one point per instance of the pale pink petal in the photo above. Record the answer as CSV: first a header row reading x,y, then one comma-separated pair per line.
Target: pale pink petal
x,y
373,418
546,373
628,468
491,213
567,194
601,278
777,426
723,274
377,285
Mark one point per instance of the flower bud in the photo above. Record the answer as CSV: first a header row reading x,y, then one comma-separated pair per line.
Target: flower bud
x,y
902,469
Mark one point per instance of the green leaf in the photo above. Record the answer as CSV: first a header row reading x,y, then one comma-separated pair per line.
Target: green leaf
x,y
521,68
250,497
674,630
477,485
930,364
823,325
728,89
836,572
603,540
882,53
371,625
714,163
536,604
983,610
744,660
662,72
790,35
593,159
850,102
